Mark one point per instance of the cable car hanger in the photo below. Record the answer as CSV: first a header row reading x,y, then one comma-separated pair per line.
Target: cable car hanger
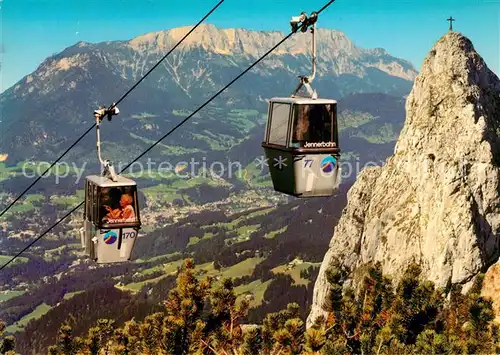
x,y
304,23
108,169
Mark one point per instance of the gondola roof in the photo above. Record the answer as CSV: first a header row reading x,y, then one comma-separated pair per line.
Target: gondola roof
x,y
302,100
106,182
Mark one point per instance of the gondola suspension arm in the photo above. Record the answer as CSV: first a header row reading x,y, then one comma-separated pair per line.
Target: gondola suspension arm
x,y
108,169
307,23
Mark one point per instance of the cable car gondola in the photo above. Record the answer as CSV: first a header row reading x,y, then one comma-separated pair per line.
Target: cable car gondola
x,y
301,140
111,213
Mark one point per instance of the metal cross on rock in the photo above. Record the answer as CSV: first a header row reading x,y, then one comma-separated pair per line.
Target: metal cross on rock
x,y
451,19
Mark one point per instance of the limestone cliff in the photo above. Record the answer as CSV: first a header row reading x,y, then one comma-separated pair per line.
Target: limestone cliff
x,y
340,55
436,200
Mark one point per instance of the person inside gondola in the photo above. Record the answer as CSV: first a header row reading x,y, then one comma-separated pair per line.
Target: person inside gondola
x,y
117,206
127,210
112,213
124,213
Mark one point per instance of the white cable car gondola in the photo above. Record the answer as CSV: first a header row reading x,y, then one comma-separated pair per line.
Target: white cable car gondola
x,y
111,213
301,139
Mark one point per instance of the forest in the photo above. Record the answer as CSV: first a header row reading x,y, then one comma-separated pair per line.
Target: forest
x,y
370,315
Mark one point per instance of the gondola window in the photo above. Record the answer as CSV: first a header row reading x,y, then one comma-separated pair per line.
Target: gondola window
x,y
279,123
118,205
312,124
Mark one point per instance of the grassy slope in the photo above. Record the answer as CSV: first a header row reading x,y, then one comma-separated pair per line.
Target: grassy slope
x,y
294,271
6,258
37,313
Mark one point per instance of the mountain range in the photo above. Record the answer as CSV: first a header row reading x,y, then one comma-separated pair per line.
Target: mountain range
x,y
47,110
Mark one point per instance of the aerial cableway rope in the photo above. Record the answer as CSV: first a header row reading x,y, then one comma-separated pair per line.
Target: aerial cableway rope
x,y
174,129
111,107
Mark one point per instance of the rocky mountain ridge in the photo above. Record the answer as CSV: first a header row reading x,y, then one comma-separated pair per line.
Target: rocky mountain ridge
x,y
45,111
332,44
337,54
436,201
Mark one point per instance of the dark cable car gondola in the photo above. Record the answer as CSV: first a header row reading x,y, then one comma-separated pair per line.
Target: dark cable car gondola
x,y
111,213
301,139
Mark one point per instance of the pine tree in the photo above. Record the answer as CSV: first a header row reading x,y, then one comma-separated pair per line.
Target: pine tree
x,y
357,313
468,320
66,343
223,323
283,331
7,343
336,276
129,339
184,307
315,340
432,343
99,336
152,334
415,306
252,342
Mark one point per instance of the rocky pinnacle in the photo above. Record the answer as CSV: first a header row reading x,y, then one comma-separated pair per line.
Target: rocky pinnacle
x,y
436,200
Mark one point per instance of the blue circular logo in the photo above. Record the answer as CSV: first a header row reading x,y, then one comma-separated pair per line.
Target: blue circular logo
x,y
110,237
328,164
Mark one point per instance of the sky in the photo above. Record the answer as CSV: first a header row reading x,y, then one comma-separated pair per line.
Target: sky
x,y
32,30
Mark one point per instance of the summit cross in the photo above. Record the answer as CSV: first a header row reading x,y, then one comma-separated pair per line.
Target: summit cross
x,y
451,19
